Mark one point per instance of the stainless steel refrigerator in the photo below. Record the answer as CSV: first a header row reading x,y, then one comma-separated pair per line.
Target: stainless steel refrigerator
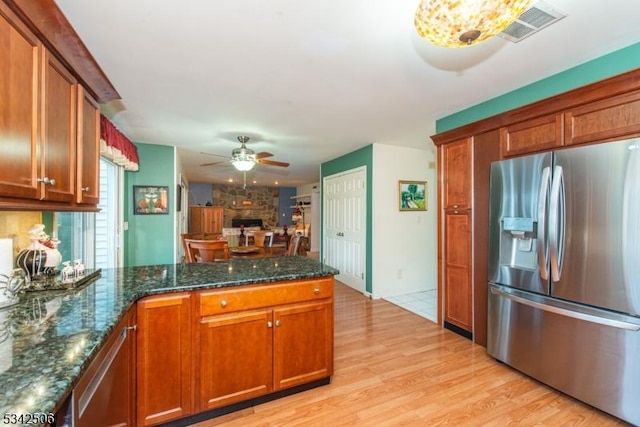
x,y
564,272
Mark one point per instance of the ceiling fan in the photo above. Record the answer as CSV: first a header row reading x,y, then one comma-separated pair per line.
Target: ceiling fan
x,y
244,159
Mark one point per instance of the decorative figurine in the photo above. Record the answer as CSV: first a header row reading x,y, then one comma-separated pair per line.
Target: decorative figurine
x,y
68,273
41,258
78,268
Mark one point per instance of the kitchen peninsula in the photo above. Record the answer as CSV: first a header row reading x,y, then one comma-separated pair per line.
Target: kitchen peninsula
x,y
193,338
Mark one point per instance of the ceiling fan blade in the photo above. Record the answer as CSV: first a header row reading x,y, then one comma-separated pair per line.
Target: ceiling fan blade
x,y
263,154
272,163
216,155
213,163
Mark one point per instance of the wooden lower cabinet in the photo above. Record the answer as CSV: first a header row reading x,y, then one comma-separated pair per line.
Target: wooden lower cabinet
x,y
209,349
235,357
164,370
457,270
303,349
272,338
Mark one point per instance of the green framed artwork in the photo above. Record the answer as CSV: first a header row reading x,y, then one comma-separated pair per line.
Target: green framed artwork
x,y
150,200
412,195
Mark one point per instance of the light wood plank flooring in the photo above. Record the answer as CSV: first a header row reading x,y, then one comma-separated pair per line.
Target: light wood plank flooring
x,y
395,368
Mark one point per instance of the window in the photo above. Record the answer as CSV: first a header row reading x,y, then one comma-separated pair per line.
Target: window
x,y
95,238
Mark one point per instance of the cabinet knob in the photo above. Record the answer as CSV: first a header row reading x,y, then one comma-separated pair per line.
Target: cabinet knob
x,y
47,181
223,303
455,206
269,324
278,322
85,189
316,291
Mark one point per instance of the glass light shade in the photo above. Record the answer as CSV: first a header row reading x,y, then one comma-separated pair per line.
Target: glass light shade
x,y
243,164
460,23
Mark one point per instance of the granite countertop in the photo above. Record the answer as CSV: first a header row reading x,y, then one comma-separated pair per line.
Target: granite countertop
x,y
49,337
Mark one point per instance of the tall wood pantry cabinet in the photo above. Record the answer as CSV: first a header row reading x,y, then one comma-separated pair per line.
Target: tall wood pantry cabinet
x,y
206,219
464,218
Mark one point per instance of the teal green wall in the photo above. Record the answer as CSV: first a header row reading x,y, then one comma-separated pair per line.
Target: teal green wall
x,y
355,159
150,238
617,62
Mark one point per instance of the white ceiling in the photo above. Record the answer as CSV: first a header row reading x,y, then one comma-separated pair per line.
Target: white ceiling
x,y
310,81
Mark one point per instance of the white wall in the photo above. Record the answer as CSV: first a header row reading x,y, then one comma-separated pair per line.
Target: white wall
x,y
404,242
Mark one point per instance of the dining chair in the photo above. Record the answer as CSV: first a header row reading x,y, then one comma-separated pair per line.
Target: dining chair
x,y
294,244
259,238
206,250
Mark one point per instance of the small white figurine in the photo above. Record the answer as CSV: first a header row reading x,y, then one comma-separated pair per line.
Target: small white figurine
x,y
78,268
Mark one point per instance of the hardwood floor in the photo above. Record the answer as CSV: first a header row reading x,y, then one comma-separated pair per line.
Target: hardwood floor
x,y
395,368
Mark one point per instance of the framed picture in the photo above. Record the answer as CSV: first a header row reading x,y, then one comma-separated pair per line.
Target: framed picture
x,y
412,195
150,200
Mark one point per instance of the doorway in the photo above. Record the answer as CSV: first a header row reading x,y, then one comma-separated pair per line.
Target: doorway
x,y
344,225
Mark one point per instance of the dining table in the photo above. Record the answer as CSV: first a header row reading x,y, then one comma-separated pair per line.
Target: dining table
x,y
246,252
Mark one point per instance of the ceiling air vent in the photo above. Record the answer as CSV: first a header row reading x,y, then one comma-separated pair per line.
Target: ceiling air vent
x,y
537,17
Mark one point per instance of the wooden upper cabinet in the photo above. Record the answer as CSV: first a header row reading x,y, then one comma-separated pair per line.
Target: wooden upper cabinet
x,y
88,149
539,134
58,156
456,176
19,109
604,120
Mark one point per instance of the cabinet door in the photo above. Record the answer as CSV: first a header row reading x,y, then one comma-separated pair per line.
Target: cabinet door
x,y
457,174
212,220
539,134
57,159
457,269
303,349
88,149
164,358
104,395
19,111
604,120
235,358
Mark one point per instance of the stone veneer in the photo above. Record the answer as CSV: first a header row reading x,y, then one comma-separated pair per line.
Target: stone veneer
x,y
251,202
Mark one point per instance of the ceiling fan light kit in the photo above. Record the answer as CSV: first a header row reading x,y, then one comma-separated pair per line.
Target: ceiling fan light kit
x,y
243,158
460,23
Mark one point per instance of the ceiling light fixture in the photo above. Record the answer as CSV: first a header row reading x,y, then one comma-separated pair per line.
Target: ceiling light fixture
x,y
243,158
458,23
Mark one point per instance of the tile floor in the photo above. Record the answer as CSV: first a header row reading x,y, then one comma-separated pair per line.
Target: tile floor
x,y
421,303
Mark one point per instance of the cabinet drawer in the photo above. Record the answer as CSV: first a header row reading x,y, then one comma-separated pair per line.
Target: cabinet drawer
x,y
250,297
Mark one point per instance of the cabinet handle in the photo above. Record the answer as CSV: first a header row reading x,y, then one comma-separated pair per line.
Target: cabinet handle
x,y
278,322
269,324
223,303
316,291
46,180
132,328
455,206
85,189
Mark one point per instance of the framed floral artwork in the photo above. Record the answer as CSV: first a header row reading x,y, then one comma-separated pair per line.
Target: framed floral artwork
x,y
412,195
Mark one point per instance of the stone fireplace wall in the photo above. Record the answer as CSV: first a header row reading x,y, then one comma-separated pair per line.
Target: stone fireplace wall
x,y
251,202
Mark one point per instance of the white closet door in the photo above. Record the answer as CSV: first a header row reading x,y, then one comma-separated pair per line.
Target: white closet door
x,y
345,225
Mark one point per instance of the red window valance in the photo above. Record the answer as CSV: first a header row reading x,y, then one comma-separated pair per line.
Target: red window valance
x,y
117,147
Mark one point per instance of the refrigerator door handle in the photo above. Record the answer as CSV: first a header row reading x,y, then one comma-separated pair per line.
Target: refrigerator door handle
x,y
568,313
543,254
556,223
